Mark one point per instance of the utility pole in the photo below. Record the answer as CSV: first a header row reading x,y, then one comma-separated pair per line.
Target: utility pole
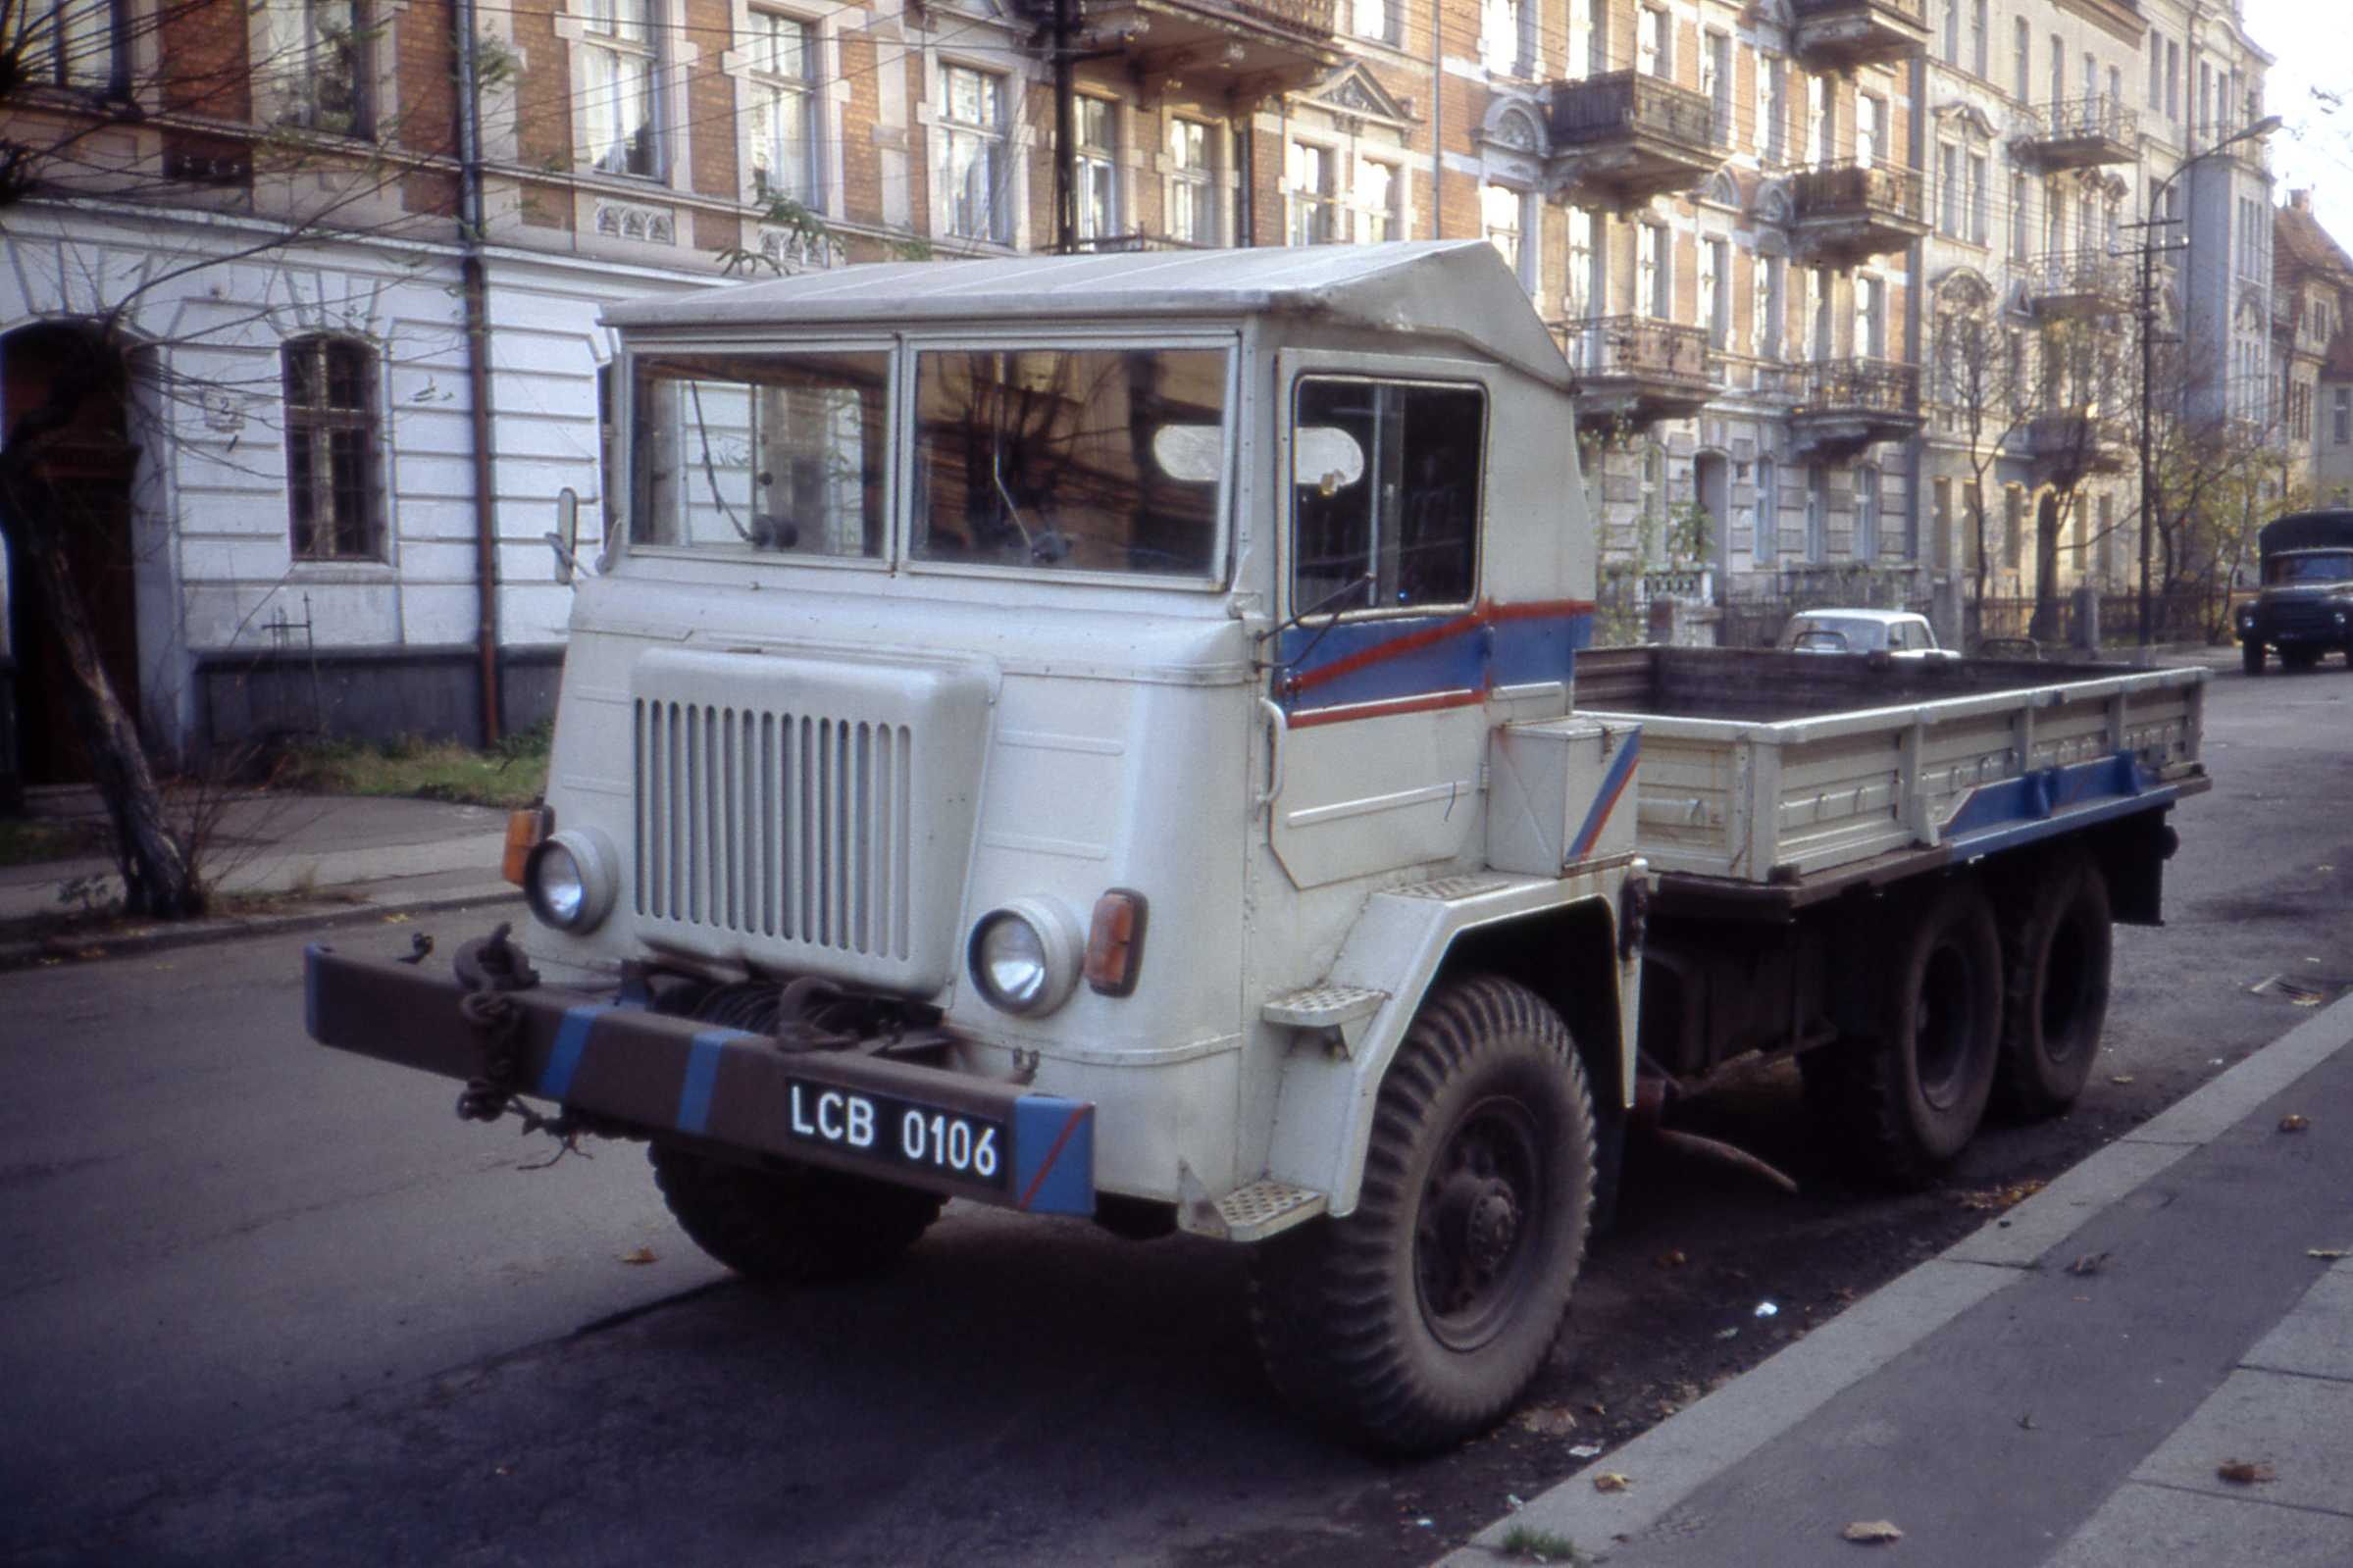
x,y
1066,153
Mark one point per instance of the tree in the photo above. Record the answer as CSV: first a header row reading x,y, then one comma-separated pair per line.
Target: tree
x,y
1977,382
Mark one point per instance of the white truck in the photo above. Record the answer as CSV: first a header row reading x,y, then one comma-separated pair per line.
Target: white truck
x,y
1111,736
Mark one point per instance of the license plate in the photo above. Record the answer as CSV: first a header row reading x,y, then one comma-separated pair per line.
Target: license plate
x,y
922,1138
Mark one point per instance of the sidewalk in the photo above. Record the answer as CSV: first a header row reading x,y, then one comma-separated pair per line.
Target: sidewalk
x,y
2063,1388
322,856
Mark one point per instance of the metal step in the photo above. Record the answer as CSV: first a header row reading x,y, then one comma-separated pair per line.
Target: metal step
x,y
1323,1006
1260,1210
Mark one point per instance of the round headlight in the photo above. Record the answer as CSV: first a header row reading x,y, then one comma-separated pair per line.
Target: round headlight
x,y
1025,957
570,879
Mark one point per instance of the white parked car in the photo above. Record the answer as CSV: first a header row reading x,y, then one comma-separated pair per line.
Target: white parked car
x,y
1901,633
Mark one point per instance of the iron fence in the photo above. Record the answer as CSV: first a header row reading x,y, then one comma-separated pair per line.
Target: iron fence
x,y
1852,188
1620,103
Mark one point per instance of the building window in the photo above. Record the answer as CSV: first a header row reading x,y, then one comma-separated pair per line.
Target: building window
x,y
1654,42
1870,318
1817,514
1191,182
1380,211
1769,512
1977,198
331,495
2173,78
1375,20
1948,183
317,51
1869,115
2014,525
1653,288
1098,168
1772,281
2058,72
1498,216
1867,513
2156,73
2023,77
618,101
1952,49
71,43
1586,283
1498,35
783,108
1773,108
1978,33
1716,83
1716,291
972,154
1818,119
1584,42
1314,194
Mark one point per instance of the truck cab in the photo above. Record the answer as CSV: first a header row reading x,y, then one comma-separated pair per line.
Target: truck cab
x,y
2305,606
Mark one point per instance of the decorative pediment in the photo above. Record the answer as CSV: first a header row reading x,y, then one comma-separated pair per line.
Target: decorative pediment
x,y
1354,90
1515,124
1727,188
1961,289
1773,204
1965,120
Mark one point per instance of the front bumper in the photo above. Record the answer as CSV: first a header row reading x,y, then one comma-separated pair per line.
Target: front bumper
x,y
678,1080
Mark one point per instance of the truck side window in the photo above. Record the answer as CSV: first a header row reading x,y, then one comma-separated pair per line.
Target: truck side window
x,y
766,452
1385,483
1065,460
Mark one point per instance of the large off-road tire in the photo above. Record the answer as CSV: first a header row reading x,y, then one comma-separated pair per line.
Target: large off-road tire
x,y
2250,657
790,1223
1416,1322
2055,993
1916,1093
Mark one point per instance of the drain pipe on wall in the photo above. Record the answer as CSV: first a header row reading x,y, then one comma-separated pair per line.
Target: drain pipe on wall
x,y
1437,119
475,287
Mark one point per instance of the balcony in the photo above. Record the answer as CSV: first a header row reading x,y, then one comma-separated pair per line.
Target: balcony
x,y
1633,372
2068,445
1841,35
2075,286
2080,134
1844,405
1204,50
1848,212
1622,139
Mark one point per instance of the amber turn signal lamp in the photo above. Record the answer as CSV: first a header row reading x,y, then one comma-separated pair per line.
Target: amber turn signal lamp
x,y
1115,942
525,830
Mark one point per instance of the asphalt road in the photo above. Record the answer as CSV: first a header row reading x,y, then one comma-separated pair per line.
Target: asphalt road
x,y
271,1303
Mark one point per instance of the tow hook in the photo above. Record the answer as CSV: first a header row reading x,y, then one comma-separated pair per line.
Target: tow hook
x,y
488,969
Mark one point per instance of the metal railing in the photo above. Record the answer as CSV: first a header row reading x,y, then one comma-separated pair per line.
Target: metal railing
x,y
2097,118
1121,245
1635,348
2072,436
1623,103
1299,15
2075,272
1851,188
1858,386
1812,9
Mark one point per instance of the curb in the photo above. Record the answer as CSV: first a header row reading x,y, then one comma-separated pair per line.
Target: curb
x,y
100,945
1699,1443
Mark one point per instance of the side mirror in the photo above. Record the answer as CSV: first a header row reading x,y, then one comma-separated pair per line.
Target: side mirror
x,y
565,541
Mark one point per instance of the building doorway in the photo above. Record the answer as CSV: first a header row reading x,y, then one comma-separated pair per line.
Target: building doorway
x,y
89,466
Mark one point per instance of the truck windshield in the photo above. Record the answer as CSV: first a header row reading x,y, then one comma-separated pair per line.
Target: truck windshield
x,y
762,452
2315,566
1070,459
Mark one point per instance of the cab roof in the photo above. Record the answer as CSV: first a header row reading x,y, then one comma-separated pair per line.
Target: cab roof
x,y
1459,289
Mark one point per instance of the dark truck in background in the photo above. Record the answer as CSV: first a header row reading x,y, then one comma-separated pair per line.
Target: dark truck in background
x,y
2305,607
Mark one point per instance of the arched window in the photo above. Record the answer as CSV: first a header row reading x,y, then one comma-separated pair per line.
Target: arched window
x,y
333,499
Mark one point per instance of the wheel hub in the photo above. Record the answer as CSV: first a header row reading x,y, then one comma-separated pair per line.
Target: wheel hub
x,y
1492,1226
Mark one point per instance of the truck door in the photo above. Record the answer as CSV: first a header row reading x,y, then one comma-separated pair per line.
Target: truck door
x,y
1386,653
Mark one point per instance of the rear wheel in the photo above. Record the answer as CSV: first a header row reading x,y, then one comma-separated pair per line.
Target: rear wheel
x,y
2055,994
1415,1321
1914,1094
791,1223
2250,654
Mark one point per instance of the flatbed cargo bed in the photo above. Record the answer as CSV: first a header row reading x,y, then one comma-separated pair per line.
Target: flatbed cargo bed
x,y
1777,779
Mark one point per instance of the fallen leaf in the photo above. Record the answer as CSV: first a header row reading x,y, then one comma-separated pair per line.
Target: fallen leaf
x,y
638,1257
2244,1472
2120,1078
2327,1253
2306,1000
2292,1123
2089,1263
1610,1480
396,920
1548,1421
1993,1200
1673,1259
1872,1532
1585,1451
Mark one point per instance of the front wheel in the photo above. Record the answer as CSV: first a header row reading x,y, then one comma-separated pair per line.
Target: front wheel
x,y
791,1223
1916,1093
1415,1321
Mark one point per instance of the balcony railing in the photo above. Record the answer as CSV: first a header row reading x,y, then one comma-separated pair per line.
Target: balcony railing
x,y
2076,282
1616,348
1845,34
2074,442
1870,388
1122,244
1627,103
2080,134
1860,190
1309,17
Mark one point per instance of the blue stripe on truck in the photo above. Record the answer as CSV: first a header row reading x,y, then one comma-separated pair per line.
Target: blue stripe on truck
x,y
571,1045
702,1076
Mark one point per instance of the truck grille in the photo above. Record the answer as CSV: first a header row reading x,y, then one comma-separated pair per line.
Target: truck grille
x,y
774,824
807,813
